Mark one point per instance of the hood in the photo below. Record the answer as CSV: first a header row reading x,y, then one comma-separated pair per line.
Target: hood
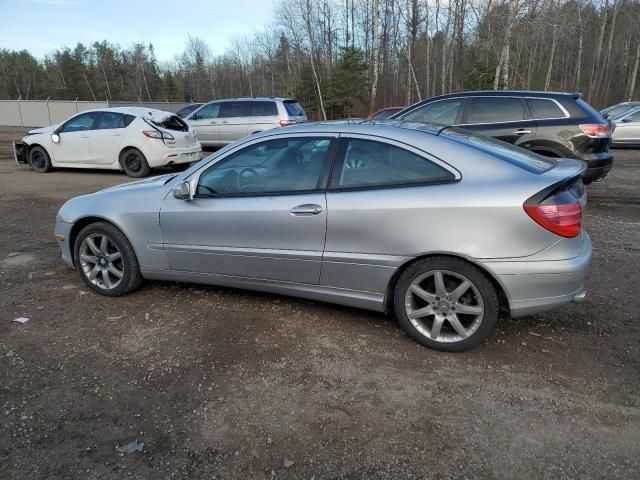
x,y
147,183
49,129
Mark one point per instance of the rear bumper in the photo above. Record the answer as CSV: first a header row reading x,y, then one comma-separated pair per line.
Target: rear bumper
x,y
597,168
175,156
534,287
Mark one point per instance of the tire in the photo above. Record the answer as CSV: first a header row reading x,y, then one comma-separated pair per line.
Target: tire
x,y
39,159
134,163
416,292
88,260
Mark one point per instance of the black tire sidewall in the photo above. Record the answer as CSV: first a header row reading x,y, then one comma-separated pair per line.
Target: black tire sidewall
x,y
47,159
475,275
131,274
144,169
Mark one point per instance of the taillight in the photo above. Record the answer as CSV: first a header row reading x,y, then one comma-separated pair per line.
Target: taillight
x,y
596,130
560,214
284,123
157,134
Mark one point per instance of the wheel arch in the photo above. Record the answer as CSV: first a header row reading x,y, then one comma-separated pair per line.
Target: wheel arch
x,y
388,296
124,149
82,222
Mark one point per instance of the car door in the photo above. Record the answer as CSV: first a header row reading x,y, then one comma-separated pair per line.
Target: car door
x,y
106,138
205,121
505,118
264,115
235,116
259,212
384,202
628,128
74,145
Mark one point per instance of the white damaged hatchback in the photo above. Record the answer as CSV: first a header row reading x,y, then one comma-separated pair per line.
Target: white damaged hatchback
x,y
133,139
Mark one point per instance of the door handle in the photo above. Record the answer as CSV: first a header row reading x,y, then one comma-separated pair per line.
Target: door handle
x,y
212,122
521,132
224,122
84,136
306,210
117,134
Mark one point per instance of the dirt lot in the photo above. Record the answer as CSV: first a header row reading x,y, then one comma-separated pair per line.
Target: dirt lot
x,y
220,383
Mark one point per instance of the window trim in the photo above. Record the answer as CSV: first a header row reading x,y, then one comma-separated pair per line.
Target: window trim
x,y
525,109
525,97
463,104
99,119
95,122
323,179
339,153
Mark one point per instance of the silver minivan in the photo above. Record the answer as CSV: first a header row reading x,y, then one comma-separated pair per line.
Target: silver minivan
x,y
221,122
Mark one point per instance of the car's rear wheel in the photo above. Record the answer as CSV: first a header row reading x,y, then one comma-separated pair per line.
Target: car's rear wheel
x,y
134,163
39,159
106,260
446,303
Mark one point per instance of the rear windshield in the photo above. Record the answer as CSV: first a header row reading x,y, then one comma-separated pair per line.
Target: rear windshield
x,y
293,108
529,161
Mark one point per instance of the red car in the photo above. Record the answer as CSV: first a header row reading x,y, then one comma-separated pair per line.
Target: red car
x,y
385,113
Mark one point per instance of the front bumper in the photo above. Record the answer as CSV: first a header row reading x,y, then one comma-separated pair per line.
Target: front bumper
x,y
63,237
534,287
19,153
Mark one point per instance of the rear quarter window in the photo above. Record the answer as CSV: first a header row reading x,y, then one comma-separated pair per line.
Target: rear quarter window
x,y
544,108
294,109
529,161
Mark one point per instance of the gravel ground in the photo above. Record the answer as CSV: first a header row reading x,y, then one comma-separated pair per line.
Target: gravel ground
x,y
221,383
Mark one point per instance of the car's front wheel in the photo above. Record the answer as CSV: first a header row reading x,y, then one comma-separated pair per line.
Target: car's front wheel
x,y
134,163
446,303
39,159
106,260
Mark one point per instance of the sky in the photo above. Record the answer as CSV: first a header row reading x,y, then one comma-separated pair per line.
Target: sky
x,y
42,26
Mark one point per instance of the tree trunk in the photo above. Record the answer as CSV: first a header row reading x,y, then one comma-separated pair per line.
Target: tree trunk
x,y
554,43
596,58
634,75
375,55
314,70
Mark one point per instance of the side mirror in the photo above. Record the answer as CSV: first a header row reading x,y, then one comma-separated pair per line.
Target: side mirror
x,y
182,191
55,138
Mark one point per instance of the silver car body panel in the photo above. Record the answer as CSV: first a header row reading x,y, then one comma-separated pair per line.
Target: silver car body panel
x,y
351,251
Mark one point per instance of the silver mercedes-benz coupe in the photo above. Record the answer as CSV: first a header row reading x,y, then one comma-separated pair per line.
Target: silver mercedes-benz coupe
x,y
443,227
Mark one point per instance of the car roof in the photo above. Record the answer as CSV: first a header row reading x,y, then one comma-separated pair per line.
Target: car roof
x,y
247,99
384,128
506,93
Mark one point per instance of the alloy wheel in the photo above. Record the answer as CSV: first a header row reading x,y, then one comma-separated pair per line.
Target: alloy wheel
x,y
444,306
101,261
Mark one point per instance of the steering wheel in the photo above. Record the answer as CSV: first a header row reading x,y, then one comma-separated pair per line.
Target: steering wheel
x,y
247,177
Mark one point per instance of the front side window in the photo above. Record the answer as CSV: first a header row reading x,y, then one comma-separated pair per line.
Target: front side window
x,y
235,109
494,110
264,109
444,112
542,108
367,163
275,166
86,121
110,120
208,111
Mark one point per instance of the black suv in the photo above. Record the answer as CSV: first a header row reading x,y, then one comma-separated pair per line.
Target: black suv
x,y
551,124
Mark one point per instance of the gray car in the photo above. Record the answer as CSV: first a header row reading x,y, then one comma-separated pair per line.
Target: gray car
x,y
627,131
443,227
221,122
